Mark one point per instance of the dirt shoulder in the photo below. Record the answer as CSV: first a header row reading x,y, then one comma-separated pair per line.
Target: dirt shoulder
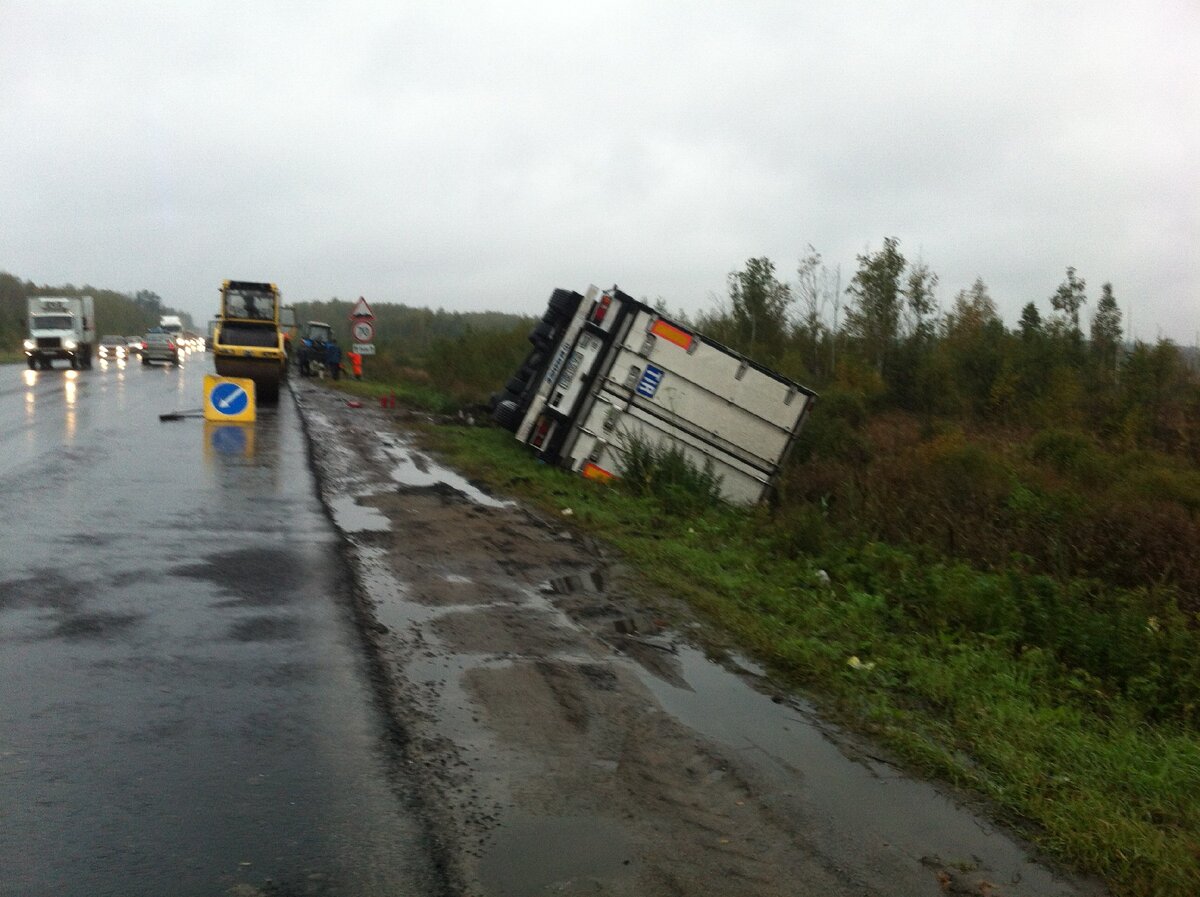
x,y
569,738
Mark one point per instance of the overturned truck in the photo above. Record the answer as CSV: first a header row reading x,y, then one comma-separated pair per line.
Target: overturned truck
x,y
607,372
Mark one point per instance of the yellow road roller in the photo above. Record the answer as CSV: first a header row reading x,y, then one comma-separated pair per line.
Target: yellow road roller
x,y
247,340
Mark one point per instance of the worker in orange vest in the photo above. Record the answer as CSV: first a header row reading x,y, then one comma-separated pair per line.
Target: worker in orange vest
x,y
355,364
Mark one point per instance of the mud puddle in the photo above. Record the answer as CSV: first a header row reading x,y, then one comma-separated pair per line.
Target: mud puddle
x,y
414,470
862,812
533,856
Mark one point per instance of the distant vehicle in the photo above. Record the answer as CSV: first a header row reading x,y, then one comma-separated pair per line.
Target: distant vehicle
x,y
60,327
133,345
311,356
159,345
172,324
190,341
113,348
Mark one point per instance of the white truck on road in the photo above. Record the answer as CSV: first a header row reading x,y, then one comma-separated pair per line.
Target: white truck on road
x,y
607,371
60,327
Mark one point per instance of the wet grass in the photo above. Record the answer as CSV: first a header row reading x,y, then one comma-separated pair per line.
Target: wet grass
x,y
1083,770
410,395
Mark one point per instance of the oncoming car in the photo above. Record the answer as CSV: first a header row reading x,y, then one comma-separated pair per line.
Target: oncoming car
x,y
113,348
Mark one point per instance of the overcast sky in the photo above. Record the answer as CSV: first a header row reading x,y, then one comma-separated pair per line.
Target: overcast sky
x,y
476,155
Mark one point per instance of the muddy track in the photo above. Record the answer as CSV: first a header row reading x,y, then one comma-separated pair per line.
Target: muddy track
x,y
567,737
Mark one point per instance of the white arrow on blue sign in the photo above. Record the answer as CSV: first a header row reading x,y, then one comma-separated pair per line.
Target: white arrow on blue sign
x,y
229,398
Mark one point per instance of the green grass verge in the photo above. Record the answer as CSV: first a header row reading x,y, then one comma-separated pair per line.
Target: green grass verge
x,y
414,396
1081,772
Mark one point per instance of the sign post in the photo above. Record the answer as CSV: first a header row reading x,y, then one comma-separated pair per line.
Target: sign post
x,y
362,327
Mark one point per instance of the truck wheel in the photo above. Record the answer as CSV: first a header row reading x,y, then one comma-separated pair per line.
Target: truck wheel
x,y
145,361
563,302
74,362
507,415
516,385
32,363
540,335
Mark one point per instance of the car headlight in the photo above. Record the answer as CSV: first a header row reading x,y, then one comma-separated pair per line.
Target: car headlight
x,y
30,344
69,344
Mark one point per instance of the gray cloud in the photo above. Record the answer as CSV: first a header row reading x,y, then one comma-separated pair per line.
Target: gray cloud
x,y
476,155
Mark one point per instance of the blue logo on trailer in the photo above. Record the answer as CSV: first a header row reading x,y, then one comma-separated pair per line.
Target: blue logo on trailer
x,y
648,385
229,398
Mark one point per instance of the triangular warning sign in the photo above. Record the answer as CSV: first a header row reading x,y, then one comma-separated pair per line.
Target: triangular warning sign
x,y
361,309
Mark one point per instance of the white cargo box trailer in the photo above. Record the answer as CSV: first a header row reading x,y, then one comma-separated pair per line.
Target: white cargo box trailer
x,y
608,370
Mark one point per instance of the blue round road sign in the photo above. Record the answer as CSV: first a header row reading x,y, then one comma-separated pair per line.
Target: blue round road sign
x,y
229,398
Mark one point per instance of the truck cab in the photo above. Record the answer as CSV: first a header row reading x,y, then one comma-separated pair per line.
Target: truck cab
x,y
60,327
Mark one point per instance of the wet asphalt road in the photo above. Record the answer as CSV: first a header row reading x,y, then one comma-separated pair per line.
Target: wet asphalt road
x,y
184,704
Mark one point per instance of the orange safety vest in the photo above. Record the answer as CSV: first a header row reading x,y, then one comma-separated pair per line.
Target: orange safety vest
x,y
356,363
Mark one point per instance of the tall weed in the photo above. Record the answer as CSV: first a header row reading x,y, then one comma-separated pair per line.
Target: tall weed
x,y
666,473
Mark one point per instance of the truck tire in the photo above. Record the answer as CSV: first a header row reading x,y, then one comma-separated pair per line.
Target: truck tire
x,y
540,335
516,384
74,362
507,415
145,361
563,302
32,363
86,363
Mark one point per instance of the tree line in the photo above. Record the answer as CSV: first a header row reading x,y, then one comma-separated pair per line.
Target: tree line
x,y
116,312
883,335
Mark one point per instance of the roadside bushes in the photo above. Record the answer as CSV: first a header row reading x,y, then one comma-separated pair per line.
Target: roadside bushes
x,y
667,474
1104,642
1059,503
472,366
1053,545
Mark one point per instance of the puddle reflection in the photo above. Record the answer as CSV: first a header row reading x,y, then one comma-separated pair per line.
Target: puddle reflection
x,y
228,441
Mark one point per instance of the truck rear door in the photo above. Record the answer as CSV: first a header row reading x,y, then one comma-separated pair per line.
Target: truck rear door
x,y
669,387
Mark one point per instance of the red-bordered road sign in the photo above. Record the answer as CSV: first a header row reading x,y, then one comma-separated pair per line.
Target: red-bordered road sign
x,y
361,310
362,330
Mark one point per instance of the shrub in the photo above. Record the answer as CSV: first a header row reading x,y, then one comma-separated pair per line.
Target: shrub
x,y
1071,454
668,474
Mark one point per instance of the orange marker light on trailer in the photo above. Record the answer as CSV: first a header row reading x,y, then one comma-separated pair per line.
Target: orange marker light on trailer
x,y
593,471
672,334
